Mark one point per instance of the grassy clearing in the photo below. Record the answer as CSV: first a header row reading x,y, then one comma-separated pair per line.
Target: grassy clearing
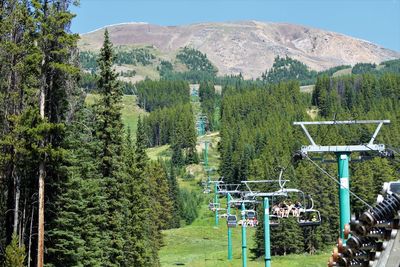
x,y
307,88
130,110
159,152
204,245
213,154
201,244
342,72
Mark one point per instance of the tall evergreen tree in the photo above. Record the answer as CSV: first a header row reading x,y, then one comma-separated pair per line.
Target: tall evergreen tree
x,y
142,244
174,196
109,130
77,232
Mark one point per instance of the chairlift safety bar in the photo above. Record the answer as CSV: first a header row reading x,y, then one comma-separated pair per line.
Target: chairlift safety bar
x,y
281,183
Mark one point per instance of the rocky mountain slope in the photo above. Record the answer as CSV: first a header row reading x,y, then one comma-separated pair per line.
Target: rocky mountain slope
x,y
248,47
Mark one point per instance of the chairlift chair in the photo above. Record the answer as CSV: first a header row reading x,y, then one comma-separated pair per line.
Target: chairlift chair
x,y
309,217
236,205
215,206
223,216
251,214
231,221
296,197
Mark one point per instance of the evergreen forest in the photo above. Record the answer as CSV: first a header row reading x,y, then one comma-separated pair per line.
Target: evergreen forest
x,y
78,187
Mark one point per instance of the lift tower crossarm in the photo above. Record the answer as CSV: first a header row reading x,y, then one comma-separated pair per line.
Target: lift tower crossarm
x,y
342,148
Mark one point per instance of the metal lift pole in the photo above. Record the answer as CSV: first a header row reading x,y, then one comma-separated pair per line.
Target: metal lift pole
x,y
344,194
343,155
265,196
216,202
267,245
244,245
206,154
228,211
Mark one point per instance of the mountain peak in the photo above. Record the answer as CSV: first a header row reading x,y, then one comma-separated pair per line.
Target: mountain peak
x,y
248,46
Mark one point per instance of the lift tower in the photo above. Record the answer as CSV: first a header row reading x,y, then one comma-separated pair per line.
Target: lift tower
x,y
343,155
228,190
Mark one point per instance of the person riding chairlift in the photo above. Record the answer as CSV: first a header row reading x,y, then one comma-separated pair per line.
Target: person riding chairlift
x,y
290,207
282,209
296,209
276,210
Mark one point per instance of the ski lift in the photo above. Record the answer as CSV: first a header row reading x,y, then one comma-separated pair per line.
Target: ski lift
x,y
254,222
231,221
223,216
309,217
236,205
273,221
251,214
248,223
290,201
213,206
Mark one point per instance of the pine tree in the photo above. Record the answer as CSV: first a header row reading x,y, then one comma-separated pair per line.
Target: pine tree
x,y
142,245
162,205
286,238
15,254
174,196
110,130
78,238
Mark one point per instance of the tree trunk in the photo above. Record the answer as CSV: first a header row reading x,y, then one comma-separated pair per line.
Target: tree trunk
x,y
30,239
16,202
41,215
22,226
42,173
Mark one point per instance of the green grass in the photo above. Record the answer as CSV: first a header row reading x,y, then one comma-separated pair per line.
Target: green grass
x,y
342,72
213,154
130,110
163,152
201,245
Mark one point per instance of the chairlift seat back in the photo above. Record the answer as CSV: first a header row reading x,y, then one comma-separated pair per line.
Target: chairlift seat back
x,y
231,221
309,218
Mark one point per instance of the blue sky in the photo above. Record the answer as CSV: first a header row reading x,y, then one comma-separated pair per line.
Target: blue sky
x,y
377,21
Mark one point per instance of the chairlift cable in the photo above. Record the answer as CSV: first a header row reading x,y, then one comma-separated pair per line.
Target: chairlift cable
x,y
336,181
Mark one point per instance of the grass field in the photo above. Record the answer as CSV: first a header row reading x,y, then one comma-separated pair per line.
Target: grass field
x,y
130,110
201,244
204,245
342,72
162,152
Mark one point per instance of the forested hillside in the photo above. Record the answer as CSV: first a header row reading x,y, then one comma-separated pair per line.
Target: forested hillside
x,y
288,69
257,136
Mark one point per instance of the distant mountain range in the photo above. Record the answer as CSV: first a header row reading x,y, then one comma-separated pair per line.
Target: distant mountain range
x,y
247,47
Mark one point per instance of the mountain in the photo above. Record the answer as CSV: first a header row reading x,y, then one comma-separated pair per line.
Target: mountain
x,y
248,47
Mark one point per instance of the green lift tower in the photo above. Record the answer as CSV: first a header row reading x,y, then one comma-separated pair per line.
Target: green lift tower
x,y
343,157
